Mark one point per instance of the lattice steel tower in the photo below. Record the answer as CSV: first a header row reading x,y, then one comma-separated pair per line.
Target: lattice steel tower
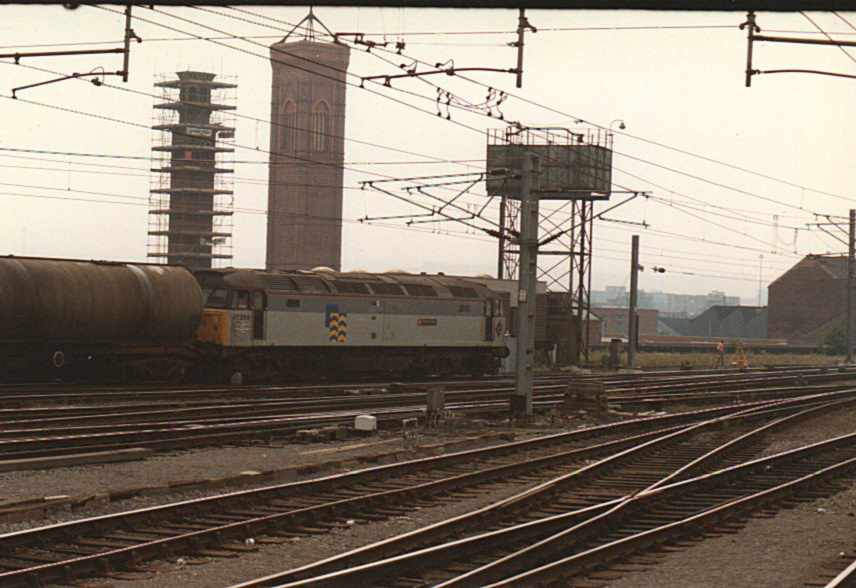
x,y
307,147
191,197
576,171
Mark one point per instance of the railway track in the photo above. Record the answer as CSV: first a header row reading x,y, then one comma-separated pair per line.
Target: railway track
x,y
218,525
837,573
845,579
31,433
460,546
36,438
12,395
710,504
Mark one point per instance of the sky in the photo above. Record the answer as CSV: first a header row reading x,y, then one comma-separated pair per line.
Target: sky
x,y
675,79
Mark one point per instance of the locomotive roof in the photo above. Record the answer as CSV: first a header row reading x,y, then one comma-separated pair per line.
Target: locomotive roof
x,y
444,286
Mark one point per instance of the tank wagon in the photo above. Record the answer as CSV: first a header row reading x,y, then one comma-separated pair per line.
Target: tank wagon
x,y
95,315
267,325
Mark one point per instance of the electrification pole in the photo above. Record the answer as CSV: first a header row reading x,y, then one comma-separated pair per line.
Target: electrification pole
x,y
851,282
501,253
632,334
526,284
522,25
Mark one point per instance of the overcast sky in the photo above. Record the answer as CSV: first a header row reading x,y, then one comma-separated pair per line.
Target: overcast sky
x,y
679,87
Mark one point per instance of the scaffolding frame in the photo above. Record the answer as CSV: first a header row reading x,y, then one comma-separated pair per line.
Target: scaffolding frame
x,y
191,188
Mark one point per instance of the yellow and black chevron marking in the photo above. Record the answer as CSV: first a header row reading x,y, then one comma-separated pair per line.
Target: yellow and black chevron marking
x,y
338,327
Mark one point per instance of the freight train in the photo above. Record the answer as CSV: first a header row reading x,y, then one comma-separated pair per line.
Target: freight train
x,y
130,321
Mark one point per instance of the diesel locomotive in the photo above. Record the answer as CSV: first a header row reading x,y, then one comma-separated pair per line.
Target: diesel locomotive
x,y
129,321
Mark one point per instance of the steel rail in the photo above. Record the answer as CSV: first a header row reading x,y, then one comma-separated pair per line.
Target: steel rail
x,y
806,476
311,515
365,564
368,400
193,433
177,433
845,579
577,533
224,527
21,421
11,392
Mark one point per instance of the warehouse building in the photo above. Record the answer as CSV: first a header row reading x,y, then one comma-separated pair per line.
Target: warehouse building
x,y
808,301
731,322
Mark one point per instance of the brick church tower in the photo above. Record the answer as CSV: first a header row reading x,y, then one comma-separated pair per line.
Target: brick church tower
x,y
304,228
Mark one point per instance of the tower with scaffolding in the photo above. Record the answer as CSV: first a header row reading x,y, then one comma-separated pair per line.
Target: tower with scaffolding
x,y
191,201
575,172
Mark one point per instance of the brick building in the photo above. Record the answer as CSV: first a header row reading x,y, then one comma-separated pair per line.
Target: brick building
x,y
808,301
307,150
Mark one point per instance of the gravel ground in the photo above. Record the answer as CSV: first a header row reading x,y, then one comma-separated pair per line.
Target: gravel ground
x,y
814,429
209,463
766,553
774,546
198,464
715,568
769,552
270,559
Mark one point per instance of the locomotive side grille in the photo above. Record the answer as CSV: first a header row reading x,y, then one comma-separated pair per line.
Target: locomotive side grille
x,y
420,290
462,292
351,287
387,289
281,283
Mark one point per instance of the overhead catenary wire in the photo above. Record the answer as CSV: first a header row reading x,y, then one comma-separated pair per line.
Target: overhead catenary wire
x,y
110,119
277,124
314,221
828,36
239,180
673,170
650,141
746,192
404,34
694,176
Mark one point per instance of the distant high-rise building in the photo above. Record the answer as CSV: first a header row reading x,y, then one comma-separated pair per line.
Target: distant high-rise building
x,y
191,198
304,228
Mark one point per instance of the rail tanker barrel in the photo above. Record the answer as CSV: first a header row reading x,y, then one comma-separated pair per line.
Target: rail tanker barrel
x,y
89,301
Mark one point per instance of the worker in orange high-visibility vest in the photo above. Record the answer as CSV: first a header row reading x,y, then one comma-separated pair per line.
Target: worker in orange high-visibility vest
x,y
720,352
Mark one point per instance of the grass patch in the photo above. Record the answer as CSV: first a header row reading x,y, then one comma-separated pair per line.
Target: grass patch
x,y
699,360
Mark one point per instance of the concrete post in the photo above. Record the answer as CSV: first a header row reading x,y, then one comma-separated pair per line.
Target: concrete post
x,y
526,288
851,278
632,334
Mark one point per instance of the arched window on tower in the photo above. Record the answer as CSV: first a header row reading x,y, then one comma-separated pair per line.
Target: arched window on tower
x,y
320,126
289,130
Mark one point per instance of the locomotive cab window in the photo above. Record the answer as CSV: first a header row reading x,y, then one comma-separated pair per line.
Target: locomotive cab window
x,y
242,299
258,300
217,298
